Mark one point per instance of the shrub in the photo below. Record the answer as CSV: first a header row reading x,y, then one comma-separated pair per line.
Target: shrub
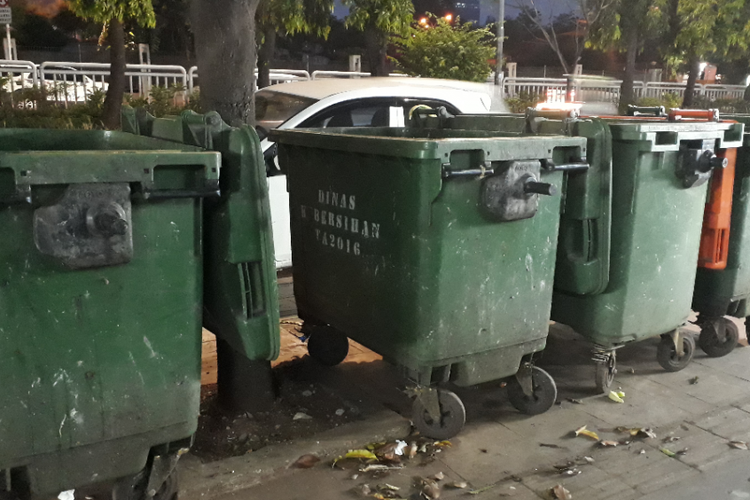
x,y
523,100
443,51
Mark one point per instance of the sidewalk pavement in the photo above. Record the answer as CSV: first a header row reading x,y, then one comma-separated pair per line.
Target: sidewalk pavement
x,y
513,455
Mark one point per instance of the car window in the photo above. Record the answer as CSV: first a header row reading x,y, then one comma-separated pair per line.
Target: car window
x,y
274,108
363,114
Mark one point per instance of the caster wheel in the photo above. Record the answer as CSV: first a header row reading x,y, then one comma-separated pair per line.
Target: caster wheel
x,y
134,488
544,393
719,337
327,346
666,354
452,416
605,373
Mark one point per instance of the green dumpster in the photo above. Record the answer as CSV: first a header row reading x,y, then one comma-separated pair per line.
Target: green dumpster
x,y
660,172
435,249
630,227
722,292
101,307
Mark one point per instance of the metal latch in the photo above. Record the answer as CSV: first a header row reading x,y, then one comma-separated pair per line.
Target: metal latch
x,y
512,192
90,226
696,165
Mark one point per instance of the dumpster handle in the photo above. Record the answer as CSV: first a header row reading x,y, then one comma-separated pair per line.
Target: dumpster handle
x,y
700,114
657,111
179,193
480,172
575,166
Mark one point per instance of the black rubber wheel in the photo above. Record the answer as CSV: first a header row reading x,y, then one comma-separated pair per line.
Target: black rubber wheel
x,y
666,354
169,490
605,373
327,346
452,416
712,332
134,488
543,397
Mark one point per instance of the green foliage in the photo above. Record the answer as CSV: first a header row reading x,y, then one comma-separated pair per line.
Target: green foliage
x,y
30,108
295,16
445,51
669,100
386,16
709,26
724,105
165,101
523,101
642,19
103,11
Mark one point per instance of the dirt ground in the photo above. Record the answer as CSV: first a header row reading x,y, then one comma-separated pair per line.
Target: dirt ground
x,y
301,410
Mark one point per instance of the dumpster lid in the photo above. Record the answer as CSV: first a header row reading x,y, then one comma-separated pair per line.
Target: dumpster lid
x,y
427,144
35,157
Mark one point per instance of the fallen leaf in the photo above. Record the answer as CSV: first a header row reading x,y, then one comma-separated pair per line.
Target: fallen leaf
x,y
582,431
442,444
301,416
615,397
364,490
439,476
609,443
621,394
668,453
387,487
379,468
430,489
589,460
366,454
459,485
693,380
560,493
740,445
647,433
306,461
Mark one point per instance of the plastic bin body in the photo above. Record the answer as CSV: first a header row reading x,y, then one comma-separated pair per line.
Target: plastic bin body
x,y
719,292
392,249
239,287
99,339
655,232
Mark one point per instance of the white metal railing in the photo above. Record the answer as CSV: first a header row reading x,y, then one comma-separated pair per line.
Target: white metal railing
x,y
275,76
714,91
17,75
604,90
73,82
540,86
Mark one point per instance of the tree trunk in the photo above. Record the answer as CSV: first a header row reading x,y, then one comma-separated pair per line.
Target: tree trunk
x,y
225,48
695,67
627,96
265,57
116,89
376,51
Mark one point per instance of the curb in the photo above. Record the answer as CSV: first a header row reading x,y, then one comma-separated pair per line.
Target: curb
x,y
206,480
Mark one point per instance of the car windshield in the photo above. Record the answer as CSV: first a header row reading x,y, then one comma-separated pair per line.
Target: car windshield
x,y
274,108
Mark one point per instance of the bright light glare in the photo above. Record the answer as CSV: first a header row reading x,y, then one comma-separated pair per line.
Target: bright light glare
x,y
449,17
423,21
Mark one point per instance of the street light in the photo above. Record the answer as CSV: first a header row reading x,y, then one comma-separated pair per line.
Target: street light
x,y
449,17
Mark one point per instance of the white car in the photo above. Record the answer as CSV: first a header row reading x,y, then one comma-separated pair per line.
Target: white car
x,y
362,102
